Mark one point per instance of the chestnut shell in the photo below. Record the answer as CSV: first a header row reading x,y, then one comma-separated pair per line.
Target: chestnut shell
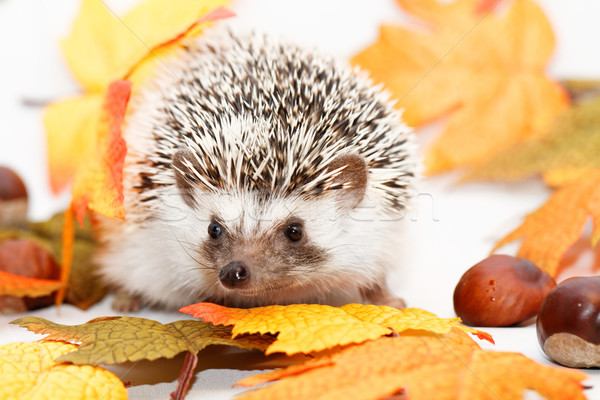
x,y
11,185
573,306
501,290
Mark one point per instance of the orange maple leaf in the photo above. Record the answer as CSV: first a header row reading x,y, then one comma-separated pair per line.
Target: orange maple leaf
x,y
424,366
552,229
305,328
99,185
485,71
16,285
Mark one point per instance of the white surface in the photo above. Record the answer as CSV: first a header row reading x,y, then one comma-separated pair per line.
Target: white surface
x,y
452,228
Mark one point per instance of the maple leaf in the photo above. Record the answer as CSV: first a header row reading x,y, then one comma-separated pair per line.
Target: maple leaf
x,y
17,285
566,212
485,71
112,340
305,328
103,48
424,366
567,152
28,371
99,185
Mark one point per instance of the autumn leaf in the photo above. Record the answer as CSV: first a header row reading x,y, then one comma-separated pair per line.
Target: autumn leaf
x,y
99,185
17,285
28,371
305,328
69,126
112,340
548,232
425,366
103,48
568,151
485,71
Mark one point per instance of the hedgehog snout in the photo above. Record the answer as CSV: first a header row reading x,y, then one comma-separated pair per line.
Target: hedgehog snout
x,y
234,275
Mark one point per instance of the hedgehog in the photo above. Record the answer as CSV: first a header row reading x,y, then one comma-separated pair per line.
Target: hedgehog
x,y
258,172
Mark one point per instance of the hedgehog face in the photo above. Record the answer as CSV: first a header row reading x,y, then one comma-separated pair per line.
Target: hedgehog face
x,y
257,247
251,249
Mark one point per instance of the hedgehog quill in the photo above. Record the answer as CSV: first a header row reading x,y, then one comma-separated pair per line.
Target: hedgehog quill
x,y
258,172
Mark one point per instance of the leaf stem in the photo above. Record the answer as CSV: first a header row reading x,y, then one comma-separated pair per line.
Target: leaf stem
x,y
185,376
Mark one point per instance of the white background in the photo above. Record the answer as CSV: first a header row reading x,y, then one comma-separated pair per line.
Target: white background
x,y
450,228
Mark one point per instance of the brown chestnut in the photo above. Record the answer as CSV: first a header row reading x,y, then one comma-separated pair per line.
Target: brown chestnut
x,y
501,290
568,323
26,258
13,198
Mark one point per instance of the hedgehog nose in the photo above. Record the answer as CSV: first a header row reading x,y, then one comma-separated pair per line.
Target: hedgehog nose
x,y
234,274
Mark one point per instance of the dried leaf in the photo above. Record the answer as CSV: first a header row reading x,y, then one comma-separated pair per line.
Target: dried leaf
x,y
569,150
485,71
551,230
305,328
425,366
17,285
28,371
114,340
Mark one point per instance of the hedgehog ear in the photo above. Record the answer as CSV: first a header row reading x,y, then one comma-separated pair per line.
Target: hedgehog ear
x,y
183,164
350,184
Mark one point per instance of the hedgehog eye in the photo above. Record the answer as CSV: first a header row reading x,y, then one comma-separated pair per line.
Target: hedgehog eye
x,y
215,230
294,232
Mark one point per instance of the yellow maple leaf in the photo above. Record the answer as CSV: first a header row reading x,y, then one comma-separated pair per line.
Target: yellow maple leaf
x,y
305,328
28,371
548,232
424,366
102,48
485,71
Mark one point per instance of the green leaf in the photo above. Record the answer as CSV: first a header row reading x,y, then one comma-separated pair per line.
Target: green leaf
x,y
113,340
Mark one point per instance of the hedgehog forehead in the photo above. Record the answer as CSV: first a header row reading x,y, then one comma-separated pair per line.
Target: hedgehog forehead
x,y
249,152
253,214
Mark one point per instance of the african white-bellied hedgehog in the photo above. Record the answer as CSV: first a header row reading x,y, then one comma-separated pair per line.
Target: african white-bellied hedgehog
x,y
258,172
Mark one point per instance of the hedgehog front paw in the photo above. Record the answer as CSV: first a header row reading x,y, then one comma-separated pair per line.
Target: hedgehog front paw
x,y
126,302
380,295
